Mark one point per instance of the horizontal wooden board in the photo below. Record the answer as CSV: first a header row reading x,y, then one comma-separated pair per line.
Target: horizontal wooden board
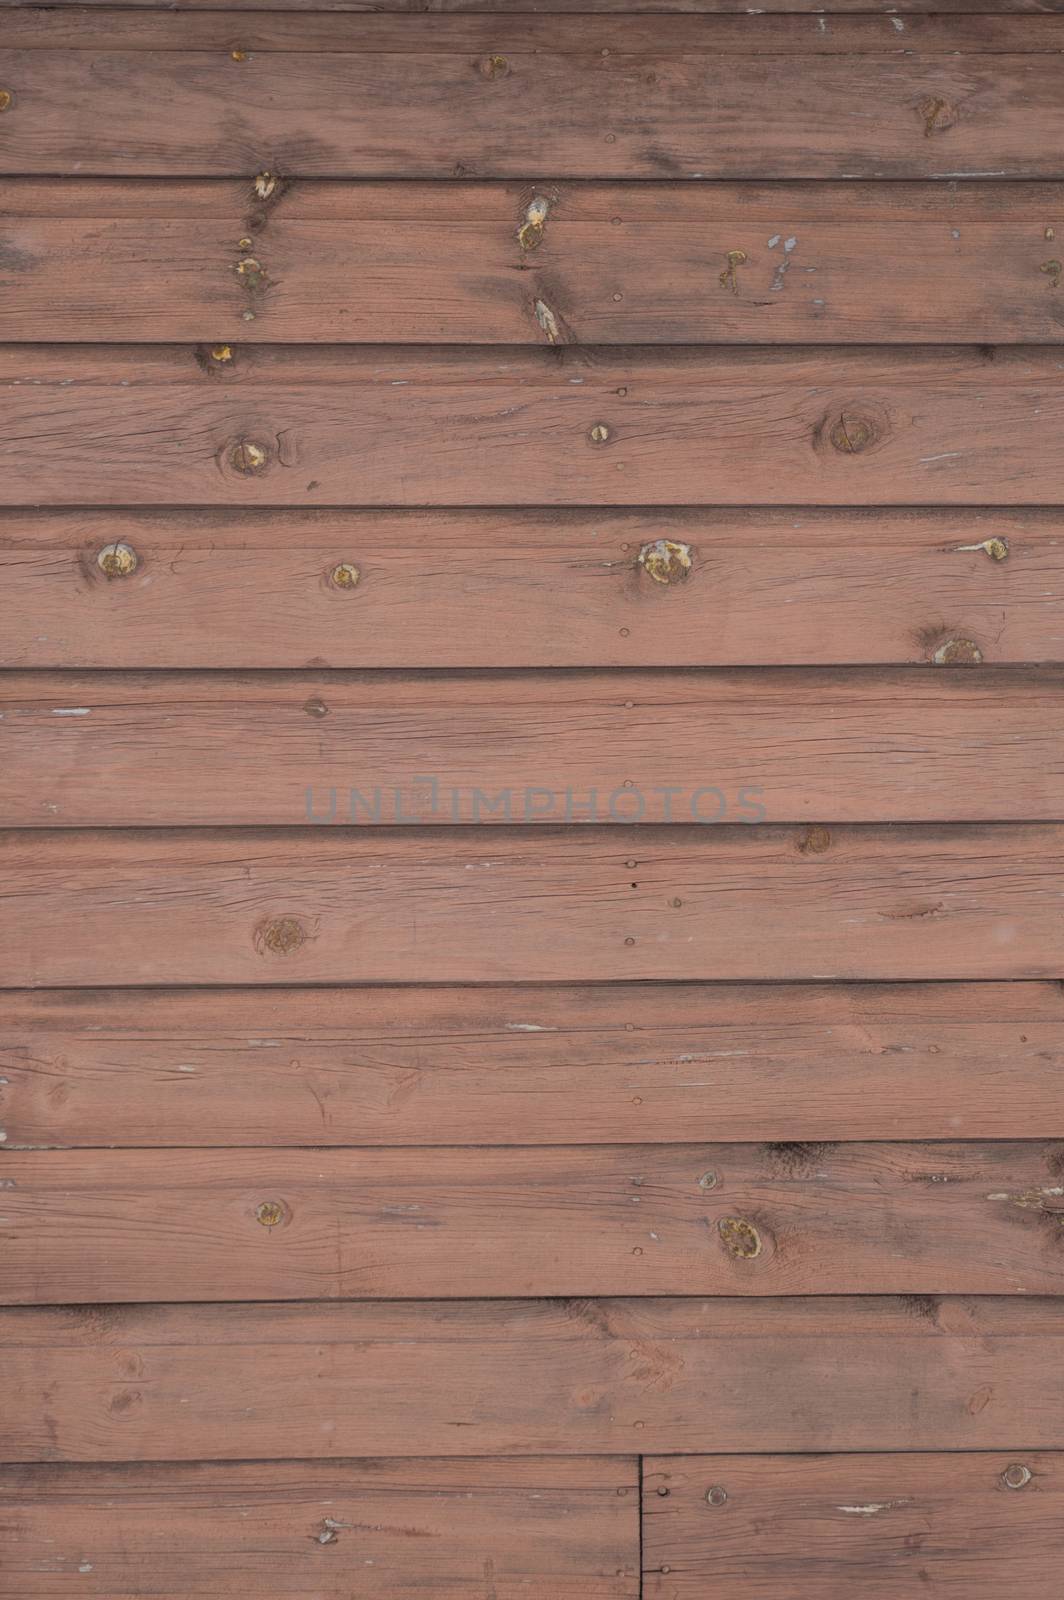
x,y
620,264
477,97
438,905
469,1222
908,8
461,1378
908,744
1019,29
144,426
310,1530
825,1527
625,1063
491,589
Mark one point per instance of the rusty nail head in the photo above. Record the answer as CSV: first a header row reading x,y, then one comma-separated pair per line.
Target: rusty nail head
x,y
1016,1476
716,1495
117,560
270,1213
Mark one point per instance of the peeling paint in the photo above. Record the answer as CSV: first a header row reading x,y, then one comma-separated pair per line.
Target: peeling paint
x,y
728,278
530,233
666,560
957,653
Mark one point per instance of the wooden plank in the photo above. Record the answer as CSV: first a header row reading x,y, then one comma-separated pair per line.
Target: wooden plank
x,y
141,426
823,1527
527,30
590,1220
624,1063
388,1530
121,906
909,8
492,589
477,97
621,264
903,745
505,1377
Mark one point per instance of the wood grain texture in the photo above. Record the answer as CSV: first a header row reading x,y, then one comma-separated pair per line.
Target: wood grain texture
x,y
116,1226
144,426
611,264
386,1530
827,1527
909,8
494,589
329,905
905,745
531,1377
619,1063
477,97
1017,30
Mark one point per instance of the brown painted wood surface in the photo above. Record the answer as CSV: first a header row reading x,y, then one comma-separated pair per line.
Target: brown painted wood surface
x,y
909,8
620,264
618,1063
115,750
143,425
386,1530
534,1377
474,97
886,1527
568,588
528,29
758,1220
439,905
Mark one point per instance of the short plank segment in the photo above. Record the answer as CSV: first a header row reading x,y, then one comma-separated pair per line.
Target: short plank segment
x,y
401,905
495,589
362,426
652,1220
475,97
499,1377
384,1530
115,750
616,1064
966,1527
608,265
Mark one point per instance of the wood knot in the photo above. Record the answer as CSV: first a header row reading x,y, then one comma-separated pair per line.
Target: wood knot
x,y
666,560
1052,270
248,457
7,99
957,653
117,560
251,269
851,433
1016,1476
345,575
599,433
814,841
264,184
716,1494
740,1238
315,707
280,936
530,233
729,277
221,353
939,115
271,1213
492,67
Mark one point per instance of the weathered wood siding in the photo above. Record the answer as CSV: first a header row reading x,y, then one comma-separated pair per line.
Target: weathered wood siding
x,y
637,435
